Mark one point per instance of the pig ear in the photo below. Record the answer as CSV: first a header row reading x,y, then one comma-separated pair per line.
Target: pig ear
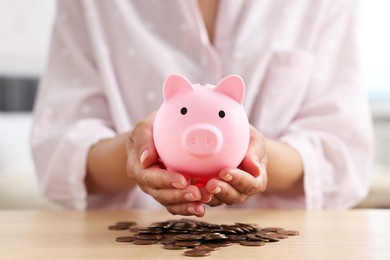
x,y
233,86
175,84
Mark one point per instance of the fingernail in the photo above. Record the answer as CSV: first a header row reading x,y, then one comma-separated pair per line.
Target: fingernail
x,y
189,197
227,177
207,200
191,210
263,168
177,185
217,190
144,155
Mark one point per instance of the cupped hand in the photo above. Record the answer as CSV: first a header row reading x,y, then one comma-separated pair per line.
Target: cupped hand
x,y
170,189
237,185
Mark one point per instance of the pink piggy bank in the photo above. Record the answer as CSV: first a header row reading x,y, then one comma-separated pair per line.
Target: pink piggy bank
x,y
200,130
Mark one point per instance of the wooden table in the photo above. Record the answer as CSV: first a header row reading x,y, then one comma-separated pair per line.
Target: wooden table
x,y
353,234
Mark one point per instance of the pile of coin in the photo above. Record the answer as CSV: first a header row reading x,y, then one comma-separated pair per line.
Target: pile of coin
x,y
201,238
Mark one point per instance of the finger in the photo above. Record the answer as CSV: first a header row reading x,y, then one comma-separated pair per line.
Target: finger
x,y
187,209
256,154
225,192
142,136
214,202
251,164
174,196
157,178
243,181
206,197
154,177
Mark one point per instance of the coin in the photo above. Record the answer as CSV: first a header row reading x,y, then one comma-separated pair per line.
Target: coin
x,y
187,237
200,236
126,223
235,238
149,236
288,232
125,239
190,243
267,237
253,237
214,236
117,227
173,247
272,229
206,247
197,253
144,242
122,225
219,243
252,243
278,236
133,229
167,240
151,230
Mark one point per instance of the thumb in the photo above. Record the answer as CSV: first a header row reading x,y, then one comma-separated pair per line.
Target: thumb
x,y
142,136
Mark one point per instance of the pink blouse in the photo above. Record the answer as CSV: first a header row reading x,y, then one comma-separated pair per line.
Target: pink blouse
x,y
108,60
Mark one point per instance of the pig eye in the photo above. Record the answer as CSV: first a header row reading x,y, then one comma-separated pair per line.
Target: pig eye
x,y
221,113
183,110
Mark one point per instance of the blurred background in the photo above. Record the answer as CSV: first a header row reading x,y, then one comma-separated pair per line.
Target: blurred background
x,y
25,28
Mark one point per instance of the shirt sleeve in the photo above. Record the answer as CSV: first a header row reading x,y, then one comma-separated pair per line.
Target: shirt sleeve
x,y
71,111
332,131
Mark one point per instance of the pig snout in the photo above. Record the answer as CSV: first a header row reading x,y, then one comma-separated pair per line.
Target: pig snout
x,y
202,140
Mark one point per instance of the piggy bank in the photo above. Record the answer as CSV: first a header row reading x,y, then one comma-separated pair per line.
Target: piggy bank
x,y
201,129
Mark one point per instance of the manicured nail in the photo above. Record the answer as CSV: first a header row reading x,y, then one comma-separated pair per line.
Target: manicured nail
x,y
227,177
263,168
144,155
207,200
177,185
217,190
189,197
191,210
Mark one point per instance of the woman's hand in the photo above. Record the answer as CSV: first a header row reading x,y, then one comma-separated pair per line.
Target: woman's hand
x,y
237,185
144,167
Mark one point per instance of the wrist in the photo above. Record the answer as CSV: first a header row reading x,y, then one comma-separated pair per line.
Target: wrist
x,y
107,166
284,168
